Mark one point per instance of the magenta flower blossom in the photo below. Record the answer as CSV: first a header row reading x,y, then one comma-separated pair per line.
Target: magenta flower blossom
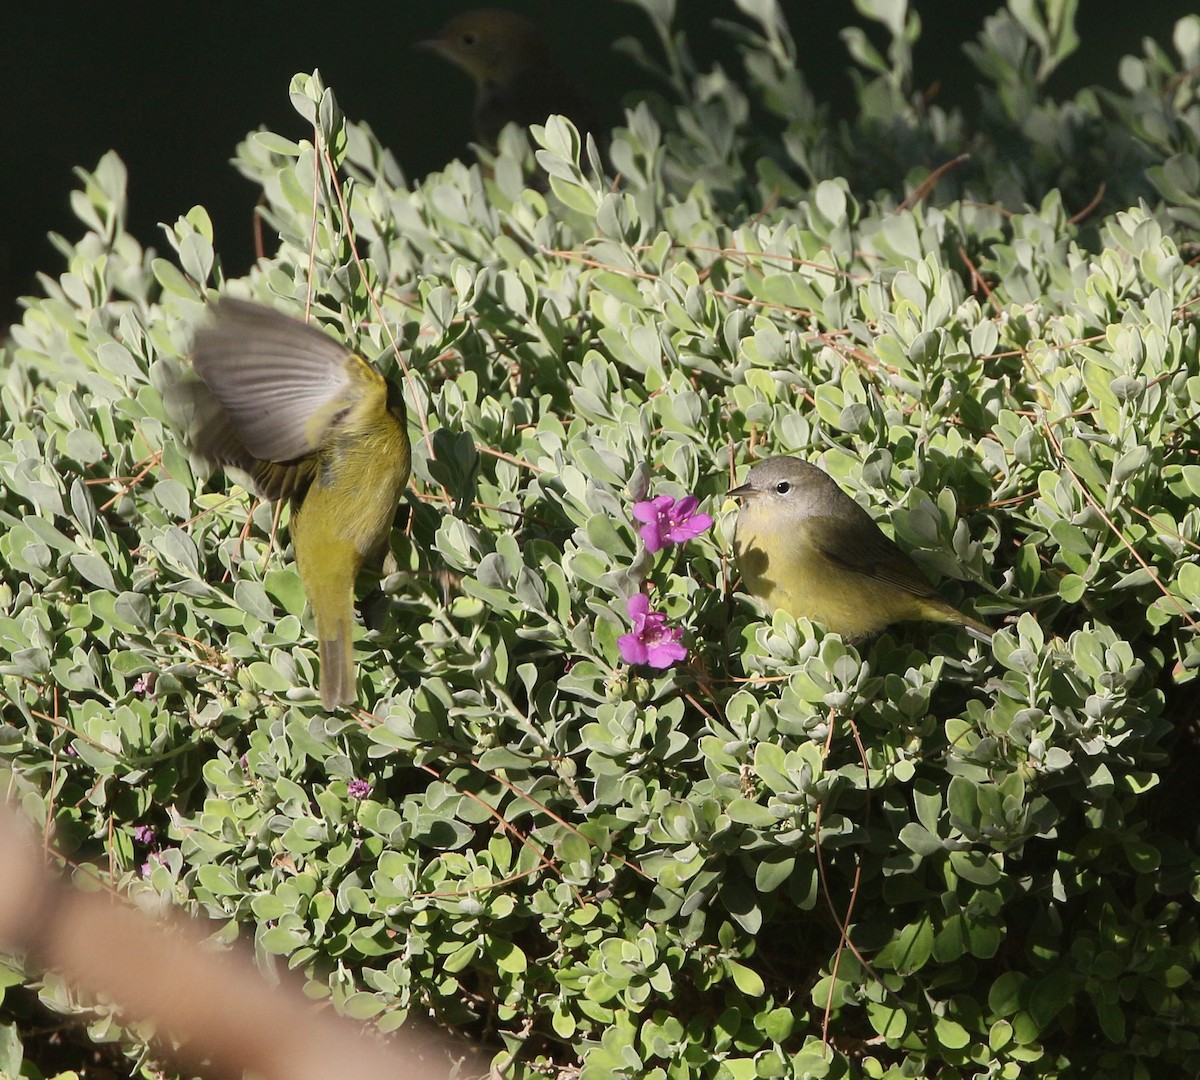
x,y
652,641
669,522
144,834
358,789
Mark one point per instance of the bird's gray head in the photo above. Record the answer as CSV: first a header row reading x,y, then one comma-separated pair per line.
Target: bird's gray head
x,y
789,485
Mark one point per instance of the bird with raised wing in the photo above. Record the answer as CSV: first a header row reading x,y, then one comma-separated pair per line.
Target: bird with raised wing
x,y
310,421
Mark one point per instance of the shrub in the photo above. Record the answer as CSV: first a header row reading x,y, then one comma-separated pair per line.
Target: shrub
x,y
646,872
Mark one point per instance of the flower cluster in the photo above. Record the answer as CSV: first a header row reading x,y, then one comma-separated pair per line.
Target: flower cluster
x,y
670,522
144,834
665,521
147,837
652,641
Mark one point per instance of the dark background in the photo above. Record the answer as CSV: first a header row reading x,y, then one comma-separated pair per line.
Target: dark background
x,y
173,88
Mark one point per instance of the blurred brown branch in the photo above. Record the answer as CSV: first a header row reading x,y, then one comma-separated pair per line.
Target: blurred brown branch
x,y
213,1009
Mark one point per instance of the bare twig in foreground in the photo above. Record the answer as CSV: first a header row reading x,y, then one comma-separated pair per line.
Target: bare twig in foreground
x,y
215,1005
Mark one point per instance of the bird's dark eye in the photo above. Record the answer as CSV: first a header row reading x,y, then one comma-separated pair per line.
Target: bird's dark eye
x,y
783,487
469,38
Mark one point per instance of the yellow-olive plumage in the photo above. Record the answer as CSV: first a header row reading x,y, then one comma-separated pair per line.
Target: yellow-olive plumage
x,y
803,545
308,420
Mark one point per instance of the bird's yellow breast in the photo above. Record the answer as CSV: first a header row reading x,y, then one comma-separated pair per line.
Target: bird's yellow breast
x,y
358,484
782,566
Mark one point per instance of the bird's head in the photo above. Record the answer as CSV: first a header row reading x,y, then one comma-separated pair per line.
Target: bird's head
x,y
789,485
490,44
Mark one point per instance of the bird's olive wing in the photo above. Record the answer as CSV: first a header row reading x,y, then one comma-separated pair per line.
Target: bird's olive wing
x,y
280,382
212,437
860,546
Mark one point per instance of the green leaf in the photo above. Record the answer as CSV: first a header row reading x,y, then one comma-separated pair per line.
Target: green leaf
x,y
1050,995
749,982
95,570
507,956
12,1051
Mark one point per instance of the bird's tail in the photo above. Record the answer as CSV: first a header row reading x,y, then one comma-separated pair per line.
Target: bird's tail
x,y
336,636
974,627
937,609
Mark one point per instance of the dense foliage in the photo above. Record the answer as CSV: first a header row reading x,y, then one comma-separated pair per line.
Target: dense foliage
x,y
645,872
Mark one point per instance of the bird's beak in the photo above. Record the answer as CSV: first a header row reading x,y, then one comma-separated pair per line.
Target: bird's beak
x,y
432,44
743,491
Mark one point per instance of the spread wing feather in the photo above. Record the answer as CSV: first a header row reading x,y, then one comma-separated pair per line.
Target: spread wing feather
x,y
279,381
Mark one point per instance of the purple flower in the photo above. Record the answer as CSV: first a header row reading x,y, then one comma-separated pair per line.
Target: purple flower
x,y
652,641
669,522
144,834
358,789
144,685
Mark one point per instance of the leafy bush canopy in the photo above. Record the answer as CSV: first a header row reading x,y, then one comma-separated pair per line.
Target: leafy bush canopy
x,y
982,325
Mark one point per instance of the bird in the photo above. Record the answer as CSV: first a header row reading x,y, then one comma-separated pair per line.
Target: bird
x,y
310,421
516,78
804,546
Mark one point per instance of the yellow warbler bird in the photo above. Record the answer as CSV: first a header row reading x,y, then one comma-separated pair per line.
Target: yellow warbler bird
x,y
310,421
516,78
803,545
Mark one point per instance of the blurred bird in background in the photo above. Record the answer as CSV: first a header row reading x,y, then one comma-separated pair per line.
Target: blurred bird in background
x,y
516,78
